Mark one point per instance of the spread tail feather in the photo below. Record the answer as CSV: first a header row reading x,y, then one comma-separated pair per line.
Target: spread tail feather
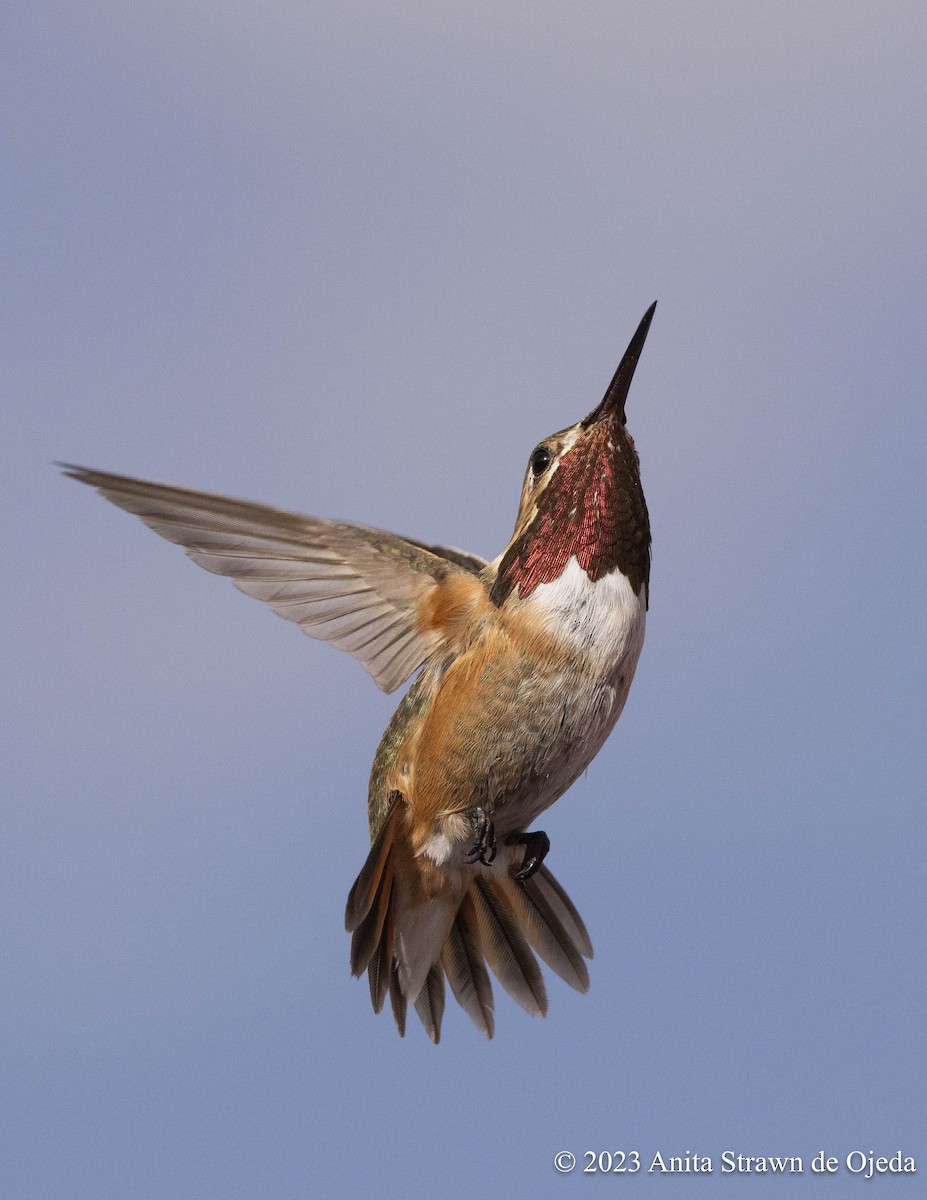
x,y
414,923
462,959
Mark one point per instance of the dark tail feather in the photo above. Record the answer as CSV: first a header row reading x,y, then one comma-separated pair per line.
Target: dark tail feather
x,y
545,931
429,1003
362,894
505,947
381,962
397,1000
561,904
367,942
413,923
462,959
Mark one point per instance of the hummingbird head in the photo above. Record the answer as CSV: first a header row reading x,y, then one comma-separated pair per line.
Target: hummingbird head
x,y
582,498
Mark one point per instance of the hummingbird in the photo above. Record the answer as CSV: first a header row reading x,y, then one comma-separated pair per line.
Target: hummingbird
x,y
526,663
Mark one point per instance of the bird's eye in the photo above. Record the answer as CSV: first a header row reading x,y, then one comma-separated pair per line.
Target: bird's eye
x,y
540,461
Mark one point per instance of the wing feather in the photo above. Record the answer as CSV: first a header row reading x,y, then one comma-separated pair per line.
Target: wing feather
x,y
360,589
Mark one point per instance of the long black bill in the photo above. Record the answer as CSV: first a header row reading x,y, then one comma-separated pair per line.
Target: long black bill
x,y
614,400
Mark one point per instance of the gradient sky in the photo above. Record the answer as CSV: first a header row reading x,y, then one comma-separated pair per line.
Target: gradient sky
x,y
356,259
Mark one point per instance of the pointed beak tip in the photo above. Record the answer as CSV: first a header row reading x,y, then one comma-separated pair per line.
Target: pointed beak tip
x,y
614,400
645,321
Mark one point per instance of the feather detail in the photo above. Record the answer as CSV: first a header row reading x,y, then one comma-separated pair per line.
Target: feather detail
x,y
409,932
364,890
397,1000
365,942
544,883
358,588
368,914
381,963
505,948
429,1003
545,932
463,963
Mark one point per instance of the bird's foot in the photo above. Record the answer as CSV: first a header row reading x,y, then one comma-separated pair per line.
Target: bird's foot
x,y
484,840
536,846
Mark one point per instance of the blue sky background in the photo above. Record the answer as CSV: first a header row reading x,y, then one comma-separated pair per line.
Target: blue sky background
x,y
356,259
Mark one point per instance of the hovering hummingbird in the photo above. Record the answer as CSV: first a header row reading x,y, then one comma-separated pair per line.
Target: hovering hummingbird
x,y
526,665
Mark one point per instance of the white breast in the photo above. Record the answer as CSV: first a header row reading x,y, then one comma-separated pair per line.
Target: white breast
x,y
603,619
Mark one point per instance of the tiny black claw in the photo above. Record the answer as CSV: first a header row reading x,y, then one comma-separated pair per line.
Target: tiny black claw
x,y
484,844
536,846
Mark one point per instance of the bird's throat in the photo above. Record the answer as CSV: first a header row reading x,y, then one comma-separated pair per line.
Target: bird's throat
x,y
592,510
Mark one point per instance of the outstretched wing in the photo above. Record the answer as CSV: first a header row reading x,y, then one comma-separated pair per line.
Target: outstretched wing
x,y
359,589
